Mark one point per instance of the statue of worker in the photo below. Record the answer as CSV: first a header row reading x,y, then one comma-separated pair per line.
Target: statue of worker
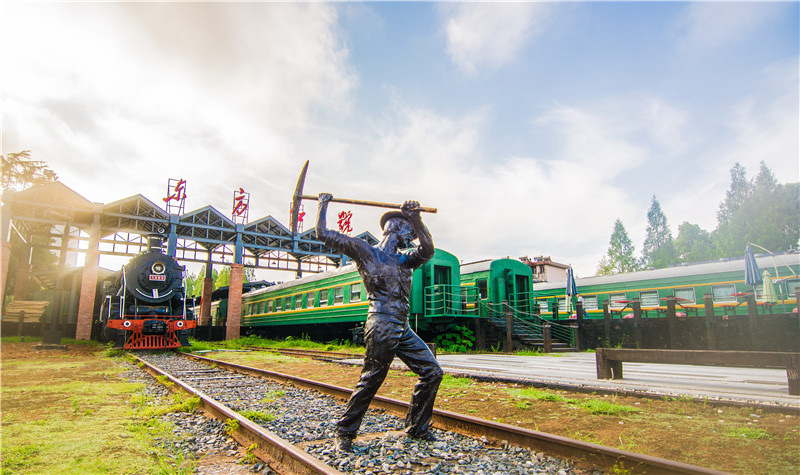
x,y
386,272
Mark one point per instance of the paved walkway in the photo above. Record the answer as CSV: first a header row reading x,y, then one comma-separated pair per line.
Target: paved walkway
x,y
577,370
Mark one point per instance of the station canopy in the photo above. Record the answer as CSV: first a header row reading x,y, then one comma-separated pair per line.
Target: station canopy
x,y
43,216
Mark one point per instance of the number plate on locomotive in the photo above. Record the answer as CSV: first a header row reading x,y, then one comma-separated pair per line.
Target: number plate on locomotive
x,y
158,277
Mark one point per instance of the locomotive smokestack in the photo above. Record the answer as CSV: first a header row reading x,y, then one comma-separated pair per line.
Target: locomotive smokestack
x,y
154,242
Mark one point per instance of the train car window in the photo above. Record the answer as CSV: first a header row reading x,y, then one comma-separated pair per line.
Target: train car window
x,y
269,306
590,303
686,296
287,303
483,289
323,298
562,305
649,298
616,300
278,305
310,300
791,287
298,302
723,293
355,293
338,295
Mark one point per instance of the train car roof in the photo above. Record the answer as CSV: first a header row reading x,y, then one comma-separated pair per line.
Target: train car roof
x,y
714,267
485,265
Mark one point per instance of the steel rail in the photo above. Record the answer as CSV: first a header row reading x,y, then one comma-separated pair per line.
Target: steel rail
x,y
280,454
582,453
312,353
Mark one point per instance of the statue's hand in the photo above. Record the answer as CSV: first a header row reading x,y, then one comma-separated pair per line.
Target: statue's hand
x,y
410,208
324,197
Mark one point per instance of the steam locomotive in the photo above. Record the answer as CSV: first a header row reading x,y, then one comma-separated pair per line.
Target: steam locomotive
x,y
144,305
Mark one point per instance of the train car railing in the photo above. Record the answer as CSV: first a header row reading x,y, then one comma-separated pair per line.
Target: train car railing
x,y
450,301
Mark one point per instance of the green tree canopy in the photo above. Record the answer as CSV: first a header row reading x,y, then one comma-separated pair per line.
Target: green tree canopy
x,y
620,256
767,214
658,250
693,243
19,171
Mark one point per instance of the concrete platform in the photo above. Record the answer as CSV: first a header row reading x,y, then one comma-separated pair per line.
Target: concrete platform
x,y
757,386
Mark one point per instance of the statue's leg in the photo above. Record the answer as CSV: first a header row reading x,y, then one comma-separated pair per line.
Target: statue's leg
x,y
381,336
419,358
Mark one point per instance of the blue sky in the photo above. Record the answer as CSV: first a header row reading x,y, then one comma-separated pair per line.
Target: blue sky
x,y
531,126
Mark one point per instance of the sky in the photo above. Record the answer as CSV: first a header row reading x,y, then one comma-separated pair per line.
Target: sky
x,y
531,126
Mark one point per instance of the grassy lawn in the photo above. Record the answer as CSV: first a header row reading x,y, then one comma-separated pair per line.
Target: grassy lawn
x,y
70,413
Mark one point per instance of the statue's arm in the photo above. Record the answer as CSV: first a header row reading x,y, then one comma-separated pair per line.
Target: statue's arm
x,y
353,247
425,249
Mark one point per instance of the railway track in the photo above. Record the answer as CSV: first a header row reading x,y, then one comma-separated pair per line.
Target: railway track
x,y
297,439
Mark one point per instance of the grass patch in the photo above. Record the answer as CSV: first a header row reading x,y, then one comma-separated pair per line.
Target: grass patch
x,y
536,352
272,396
532,393
179,403
454,382
601,406
748,433
20,457
593,406
289,342
258,415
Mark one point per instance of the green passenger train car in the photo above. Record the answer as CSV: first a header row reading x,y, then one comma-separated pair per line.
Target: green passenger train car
x,y
723,280
493,282
331,303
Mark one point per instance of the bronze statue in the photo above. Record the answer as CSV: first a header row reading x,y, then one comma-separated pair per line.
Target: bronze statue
x,y
386,272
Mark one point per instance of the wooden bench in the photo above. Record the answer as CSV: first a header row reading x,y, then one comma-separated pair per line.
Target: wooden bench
x,y
609,361
25,311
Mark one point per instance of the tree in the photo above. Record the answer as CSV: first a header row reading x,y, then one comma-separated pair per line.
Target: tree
x,y
767,214
620,253
735,196
658,250
693,243
20,172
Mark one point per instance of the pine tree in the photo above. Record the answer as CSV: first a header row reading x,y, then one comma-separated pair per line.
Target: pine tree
x,y
620,256
735,196
658,250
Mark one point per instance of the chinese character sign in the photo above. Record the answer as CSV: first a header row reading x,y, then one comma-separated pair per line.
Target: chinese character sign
x,y
344,222
176,195
241,206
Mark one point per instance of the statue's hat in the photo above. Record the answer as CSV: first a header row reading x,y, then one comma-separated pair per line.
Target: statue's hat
x,y
392,214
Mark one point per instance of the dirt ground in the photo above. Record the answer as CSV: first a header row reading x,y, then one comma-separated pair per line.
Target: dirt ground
x,y
733,439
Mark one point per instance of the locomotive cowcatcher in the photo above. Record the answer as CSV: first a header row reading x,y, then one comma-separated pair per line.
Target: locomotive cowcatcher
x,y
145,306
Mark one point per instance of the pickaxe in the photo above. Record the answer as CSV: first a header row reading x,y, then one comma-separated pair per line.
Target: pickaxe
x,y
299,196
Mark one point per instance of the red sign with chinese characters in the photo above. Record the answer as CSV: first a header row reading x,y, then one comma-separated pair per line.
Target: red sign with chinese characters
x,y
241,205
176,192
344,222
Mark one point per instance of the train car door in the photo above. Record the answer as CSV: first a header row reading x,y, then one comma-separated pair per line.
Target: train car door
x,y
522,294
441,285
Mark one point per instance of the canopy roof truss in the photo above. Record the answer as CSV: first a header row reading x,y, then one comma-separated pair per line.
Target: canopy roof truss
x,y
203,235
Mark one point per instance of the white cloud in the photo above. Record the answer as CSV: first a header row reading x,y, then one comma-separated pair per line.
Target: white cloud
x,y
490,35
142,92
710,25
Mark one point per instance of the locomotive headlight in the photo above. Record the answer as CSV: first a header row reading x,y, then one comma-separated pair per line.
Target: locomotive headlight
x,y
158,268
179,324
126,324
